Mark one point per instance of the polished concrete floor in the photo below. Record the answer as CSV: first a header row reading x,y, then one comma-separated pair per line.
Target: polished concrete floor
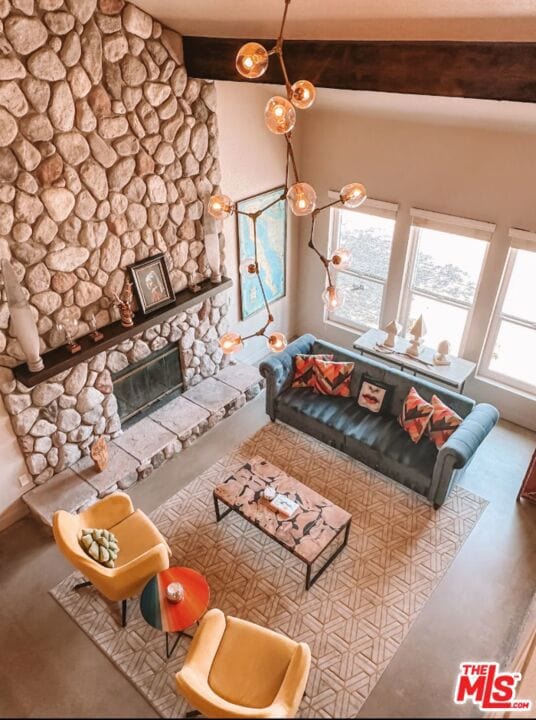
x,y
49,668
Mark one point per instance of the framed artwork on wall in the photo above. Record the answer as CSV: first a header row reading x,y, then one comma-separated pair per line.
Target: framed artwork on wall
x,y
271,246
152,283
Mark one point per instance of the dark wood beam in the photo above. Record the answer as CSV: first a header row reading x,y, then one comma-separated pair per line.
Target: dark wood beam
x,y
488,70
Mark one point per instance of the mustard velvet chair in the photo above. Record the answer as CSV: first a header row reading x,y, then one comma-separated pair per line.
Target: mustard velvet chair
x,y
143,552
236,669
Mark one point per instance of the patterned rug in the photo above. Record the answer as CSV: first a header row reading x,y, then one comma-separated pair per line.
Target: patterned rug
x,y
354,618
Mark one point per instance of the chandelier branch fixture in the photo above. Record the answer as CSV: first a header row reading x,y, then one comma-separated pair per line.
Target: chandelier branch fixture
x,y
280,118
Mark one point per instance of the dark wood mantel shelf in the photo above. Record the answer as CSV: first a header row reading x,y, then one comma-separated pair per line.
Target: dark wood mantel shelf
x,y
60,359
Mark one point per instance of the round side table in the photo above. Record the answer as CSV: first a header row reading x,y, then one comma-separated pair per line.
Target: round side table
x,y
171,617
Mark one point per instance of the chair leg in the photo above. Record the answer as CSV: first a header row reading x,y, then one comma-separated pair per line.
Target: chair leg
x,y
124,613
193,713
80,585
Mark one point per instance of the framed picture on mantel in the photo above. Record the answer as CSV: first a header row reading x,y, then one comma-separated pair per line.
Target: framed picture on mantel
x,y
271,246
152,283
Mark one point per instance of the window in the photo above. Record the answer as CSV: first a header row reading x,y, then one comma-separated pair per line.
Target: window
x,y
368,234
510,350
445,261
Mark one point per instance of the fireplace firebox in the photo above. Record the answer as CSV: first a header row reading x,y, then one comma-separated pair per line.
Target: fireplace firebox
x,y
148,384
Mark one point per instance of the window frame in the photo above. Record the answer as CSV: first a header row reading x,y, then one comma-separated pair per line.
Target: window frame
x,y
518,240
472,229
371,207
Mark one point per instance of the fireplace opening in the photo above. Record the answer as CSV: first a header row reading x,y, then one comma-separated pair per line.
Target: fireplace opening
x,y
143,387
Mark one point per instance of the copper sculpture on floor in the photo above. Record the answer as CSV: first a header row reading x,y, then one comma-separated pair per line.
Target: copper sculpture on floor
x,y
99,454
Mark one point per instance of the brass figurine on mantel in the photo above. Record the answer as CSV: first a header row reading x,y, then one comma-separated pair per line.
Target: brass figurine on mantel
x,y
124,303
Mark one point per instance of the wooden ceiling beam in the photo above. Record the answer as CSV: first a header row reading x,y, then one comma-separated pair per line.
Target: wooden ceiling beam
x,y
486,70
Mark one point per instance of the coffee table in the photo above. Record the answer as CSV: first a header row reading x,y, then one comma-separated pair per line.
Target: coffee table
x,y
307,534
170,617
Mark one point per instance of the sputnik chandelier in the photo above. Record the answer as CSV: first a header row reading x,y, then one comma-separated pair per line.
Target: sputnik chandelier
x,y
280,117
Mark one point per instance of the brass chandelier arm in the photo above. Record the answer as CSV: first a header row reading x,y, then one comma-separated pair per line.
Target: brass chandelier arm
x,y
323,259
290,150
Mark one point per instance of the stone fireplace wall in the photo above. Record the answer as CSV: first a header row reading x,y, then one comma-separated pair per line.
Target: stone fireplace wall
x,y
107,154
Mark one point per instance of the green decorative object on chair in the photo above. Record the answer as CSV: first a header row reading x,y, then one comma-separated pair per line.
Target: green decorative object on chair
x,y
101,545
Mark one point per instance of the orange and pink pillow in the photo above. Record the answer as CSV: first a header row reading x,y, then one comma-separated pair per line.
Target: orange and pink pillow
x,y
443,422
333,378
304,373
415,415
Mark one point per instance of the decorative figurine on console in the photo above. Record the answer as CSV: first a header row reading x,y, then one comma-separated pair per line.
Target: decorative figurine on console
x,y
418,331
95,334
124,303
392,329
442,355
69,331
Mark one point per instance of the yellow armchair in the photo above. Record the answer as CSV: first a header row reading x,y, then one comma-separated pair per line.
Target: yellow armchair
x,y
236,669
143,552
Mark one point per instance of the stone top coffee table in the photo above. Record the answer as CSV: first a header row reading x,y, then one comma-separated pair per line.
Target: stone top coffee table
x,y
307,534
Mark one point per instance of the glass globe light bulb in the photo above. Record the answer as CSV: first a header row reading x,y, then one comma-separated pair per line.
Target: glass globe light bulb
x,y
341,258
230,343
279,115
331,298
252,60
353,194
248,266
301,198
277,342
220,206
303,94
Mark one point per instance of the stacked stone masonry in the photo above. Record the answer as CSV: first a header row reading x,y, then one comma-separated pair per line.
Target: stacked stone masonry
x,y
136,453
108,152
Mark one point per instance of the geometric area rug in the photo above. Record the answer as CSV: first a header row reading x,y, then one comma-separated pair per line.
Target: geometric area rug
x,y
356,615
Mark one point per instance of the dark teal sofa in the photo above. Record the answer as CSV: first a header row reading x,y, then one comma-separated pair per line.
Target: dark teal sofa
x,y
377,440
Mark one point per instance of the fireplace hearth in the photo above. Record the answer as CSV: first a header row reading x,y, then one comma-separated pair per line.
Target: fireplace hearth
x,y
143,387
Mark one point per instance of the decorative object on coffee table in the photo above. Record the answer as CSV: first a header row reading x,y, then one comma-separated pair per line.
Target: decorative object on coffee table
x,y
306,534
99,454
174,616
95,334
23,324
441,357
152,283
527,491
417,331
392,329
124,303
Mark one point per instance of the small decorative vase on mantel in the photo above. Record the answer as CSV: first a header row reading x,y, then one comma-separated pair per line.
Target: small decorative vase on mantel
x,y
22,321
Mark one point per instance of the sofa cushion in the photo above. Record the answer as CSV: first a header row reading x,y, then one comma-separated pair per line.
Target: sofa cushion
x,y
415,415
304,370
443,423
333,378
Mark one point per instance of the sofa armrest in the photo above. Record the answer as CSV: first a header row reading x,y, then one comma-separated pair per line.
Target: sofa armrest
x,y
278,369
460,448
465,441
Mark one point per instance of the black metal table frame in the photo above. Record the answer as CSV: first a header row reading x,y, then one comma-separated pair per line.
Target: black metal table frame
x,y
309,581
180,633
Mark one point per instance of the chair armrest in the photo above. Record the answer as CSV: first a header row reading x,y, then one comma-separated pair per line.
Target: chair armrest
x,y
293,686
464,442
278,369
129,579
107,512
206,642
195,688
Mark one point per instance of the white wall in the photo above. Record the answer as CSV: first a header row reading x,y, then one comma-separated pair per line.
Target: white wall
x,y
11,506
252,160
471,172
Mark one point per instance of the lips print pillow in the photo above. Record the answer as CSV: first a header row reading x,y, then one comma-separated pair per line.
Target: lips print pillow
x,y
374,395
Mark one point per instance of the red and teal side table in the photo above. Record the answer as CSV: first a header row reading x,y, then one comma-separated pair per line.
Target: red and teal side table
x,y
171,617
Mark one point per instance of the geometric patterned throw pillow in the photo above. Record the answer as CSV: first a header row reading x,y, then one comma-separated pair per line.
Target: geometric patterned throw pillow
x,y
304,374
415,415
101,545
333,378
443,422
